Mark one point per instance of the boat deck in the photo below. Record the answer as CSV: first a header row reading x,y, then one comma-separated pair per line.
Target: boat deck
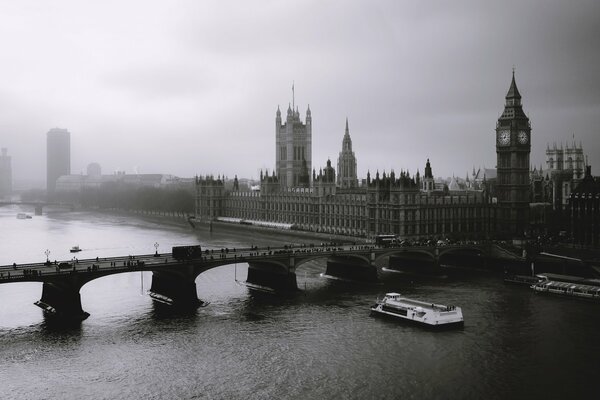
x,y
417,303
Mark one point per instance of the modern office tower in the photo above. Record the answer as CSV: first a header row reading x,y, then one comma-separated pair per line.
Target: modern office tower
x,y
513,145
5,174
58,156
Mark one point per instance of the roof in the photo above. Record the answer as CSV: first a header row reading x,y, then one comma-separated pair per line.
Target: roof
x,y
513,92
490,173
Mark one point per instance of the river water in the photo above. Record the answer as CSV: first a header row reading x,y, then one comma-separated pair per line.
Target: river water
x,y
321,343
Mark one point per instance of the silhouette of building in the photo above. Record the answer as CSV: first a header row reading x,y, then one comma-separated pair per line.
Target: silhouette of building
x,y
584,210
94,169
5,173
347,177
513,145
58,156
293,148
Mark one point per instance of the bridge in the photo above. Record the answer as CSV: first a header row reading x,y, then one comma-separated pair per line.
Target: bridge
x,y
173,278
37,205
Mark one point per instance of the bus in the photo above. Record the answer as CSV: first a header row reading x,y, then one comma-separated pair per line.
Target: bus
x,y
385,240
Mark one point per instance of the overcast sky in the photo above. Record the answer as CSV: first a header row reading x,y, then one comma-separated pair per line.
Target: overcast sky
x,y
191,87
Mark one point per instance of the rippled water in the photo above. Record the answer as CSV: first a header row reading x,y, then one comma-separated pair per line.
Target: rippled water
x,y
318,344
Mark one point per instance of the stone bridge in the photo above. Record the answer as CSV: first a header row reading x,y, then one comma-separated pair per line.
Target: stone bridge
x,y
37,205
173,280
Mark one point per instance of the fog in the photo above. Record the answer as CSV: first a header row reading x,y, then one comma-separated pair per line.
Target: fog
x,y
188,87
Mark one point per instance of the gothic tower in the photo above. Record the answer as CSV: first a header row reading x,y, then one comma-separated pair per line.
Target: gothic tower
x,y
346,177
513,145
293,148
428,180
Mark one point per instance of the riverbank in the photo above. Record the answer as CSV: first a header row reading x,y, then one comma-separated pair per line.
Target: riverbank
x,y
218,226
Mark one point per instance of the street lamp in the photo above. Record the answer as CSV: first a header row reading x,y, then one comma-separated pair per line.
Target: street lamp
x,y
47,253
156,247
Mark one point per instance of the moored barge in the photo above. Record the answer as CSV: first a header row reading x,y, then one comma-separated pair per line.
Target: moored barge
x,y
569,286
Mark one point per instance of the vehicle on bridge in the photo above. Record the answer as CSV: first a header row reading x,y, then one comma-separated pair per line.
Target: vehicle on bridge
x,y
385,240
186,252
65,265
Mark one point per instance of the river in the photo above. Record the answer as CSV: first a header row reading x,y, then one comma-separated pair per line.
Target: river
x,y
320,343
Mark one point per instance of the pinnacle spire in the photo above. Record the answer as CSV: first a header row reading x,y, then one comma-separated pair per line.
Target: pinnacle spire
x,y
513,92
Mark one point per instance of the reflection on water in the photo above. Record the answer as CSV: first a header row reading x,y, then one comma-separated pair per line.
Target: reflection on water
x,y
320,342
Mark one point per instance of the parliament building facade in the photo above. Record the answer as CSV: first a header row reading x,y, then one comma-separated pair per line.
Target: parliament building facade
x,y
411,207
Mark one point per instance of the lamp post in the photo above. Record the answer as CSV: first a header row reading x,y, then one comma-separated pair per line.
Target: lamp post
x,y
47,253
156,247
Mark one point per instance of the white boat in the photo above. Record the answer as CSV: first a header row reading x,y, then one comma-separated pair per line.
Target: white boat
x,y
430,314
75,249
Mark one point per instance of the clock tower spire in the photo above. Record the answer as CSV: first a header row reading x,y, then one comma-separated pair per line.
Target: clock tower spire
x,y
513,145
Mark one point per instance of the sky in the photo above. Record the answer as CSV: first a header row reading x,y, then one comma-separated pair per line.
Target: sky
x,y
192,87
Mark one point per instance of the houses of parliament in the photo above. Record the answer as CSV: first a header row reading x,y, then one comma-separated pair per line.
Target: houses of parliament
x,y
294,195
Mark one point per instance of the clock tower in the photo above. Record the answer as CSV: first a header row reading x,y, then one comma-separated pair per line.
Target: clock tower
x,y
513,145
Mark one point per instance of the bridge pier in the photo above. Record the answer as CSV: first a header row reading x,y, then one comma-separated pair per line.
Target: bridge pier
x,y
176,287
62,299
352,268
272,276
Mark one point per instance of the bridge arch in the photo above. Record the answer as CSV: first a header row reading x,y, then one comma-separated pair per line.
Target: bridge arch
x,y
463,256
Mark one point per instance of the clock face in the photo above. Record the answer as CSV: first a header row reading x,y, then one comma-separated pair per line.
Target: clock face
x,y
503,137
523,138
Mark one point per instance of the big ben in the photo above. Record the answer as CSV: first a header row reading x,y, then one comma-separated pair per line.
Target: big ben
x,y
513,145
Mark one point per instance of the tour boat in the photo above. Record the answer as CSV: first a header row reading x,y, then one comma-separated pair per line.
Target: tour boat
x,y
570,286
23,216
75,249
430,314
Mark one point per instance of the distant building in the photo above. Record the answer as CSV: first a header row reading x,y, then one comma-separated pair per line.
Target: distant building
x,y
58,156
566,159
584,211
94,169
5,173
564,170
78,183
347,177
293,148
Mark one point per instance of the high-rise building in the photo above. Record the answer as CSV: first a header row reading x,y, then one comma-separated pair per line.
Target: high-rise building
x,y
293,148
346,177
58,156
5,174
513,145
